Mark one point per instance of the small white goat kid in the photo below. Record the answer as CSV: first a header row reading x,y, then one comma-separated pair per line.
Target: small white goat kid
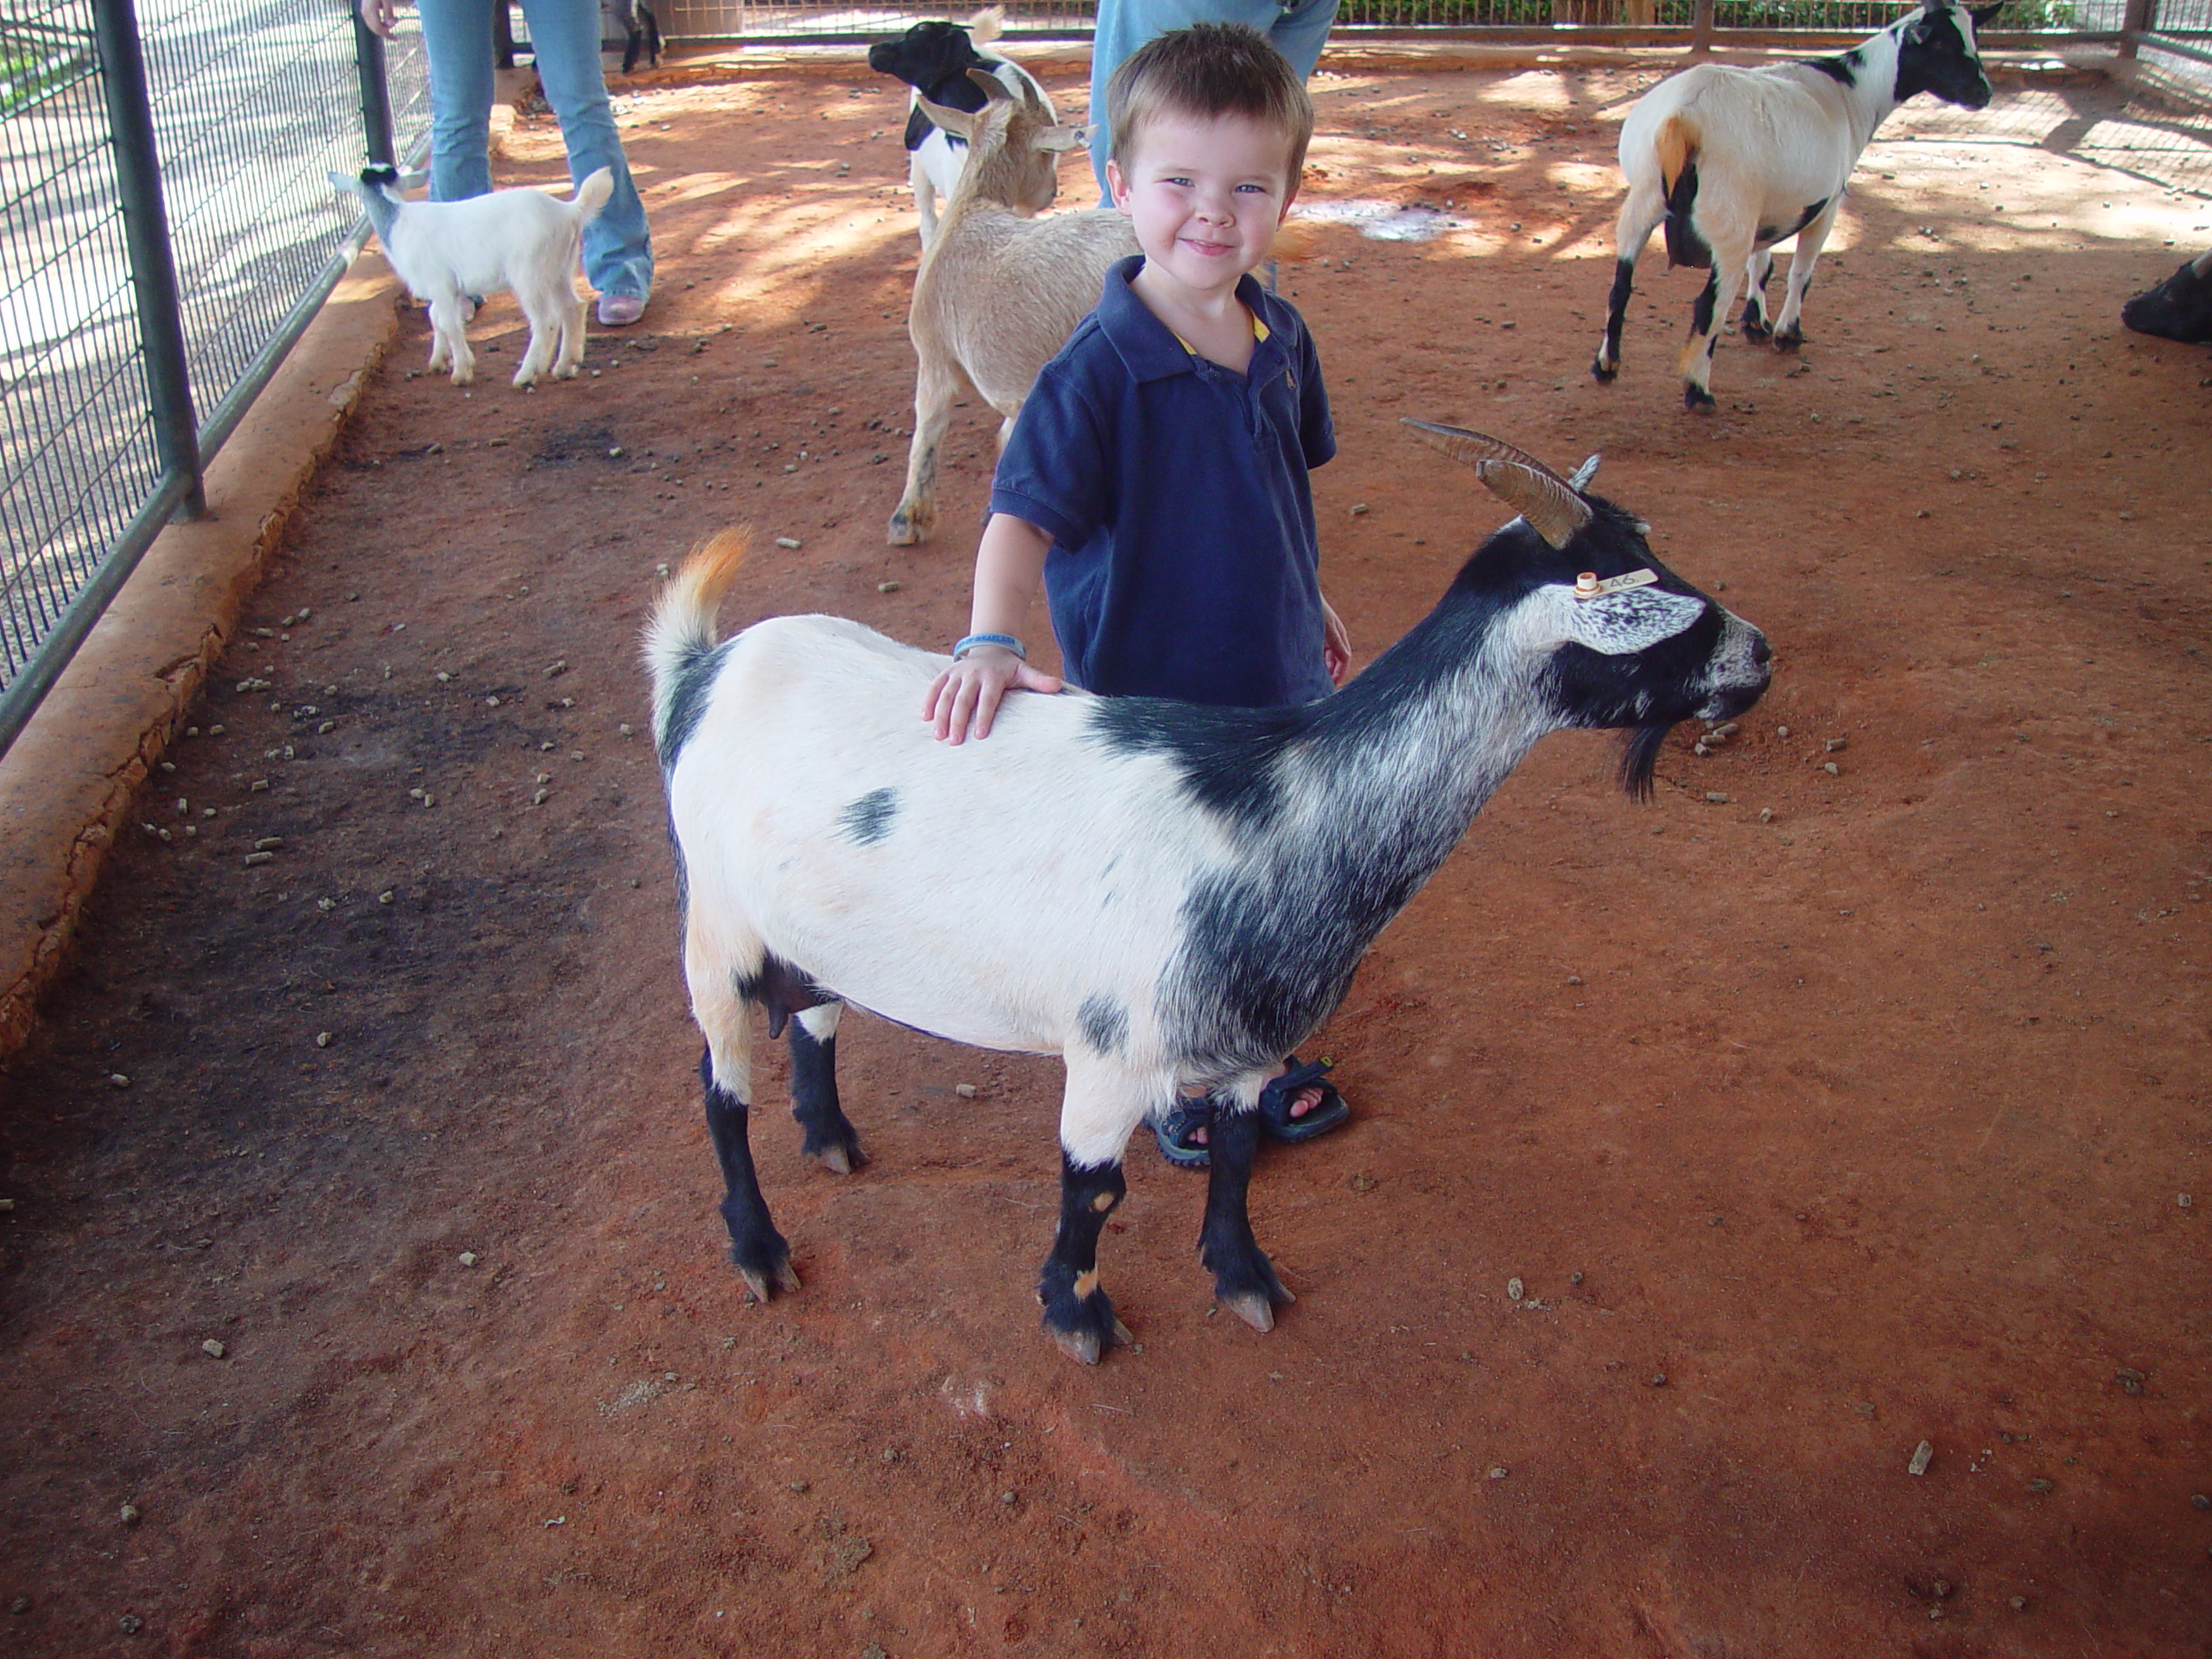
x,y
999,290
1734,161
1171,896
523,241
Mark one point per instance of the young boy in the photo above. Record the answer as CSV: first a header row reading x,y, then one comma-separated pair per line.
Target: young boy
x,y
1155,481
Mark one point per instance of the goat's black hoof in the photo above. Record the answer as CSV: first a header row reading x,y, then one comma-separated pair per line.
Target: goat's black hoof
x,y
763,1264
839,1158
1788,341
1079,1316
1603,375
1244,1282
837,1147
1754,328
1697,399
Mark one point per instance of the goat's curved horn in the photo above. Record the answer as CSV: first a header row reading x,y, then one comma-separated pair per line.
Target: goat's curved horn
x,y
1547,501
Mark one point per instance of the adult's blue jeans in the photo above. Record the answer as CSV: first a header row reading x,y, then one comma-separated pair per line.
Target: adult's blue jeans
x,y
564,39
1299,31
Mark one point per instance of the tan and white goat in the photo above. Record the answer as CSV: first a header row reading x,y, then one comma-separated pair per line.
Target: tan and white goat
x,y
999,290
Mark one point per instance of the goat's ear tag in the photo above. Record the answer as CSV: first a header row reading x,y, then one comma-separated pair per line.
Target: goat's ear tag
x,y
1587,586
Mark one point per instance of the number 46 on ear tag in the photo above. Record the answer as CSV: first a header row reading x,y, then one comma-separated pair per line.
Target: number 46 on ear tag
x,y
1586,586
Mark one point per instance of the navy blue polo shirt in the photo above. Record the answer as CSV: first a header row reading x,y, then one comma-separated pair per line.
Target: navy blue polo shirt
x,y
1184,561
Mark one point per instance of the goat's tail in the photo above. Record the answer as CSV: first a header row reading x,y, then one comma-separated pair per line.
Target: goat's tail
x,y
987,25
681,636
591,195
1675,145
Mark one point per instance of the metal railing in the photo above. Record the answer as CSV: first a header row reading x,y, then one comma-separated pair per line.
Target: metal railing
x,y
167,233
793,22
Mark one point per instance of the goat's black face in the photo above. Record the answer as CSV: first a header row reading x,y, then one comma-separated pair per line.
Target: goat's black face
x,y
930,56
1936,53
2178,308
1714,667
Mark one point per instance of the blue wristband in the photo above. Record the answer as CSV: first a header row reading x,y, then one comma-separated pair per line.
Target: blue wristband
x,y
961,648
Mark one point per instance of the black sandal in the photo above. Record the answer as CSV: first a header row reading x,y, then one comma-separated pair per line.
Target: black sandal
x,y
1175,1127
1275,1103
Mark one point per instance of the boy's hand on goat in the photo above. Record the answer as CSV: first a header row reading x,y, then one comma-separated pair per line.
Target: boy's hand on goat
x,y
1336,644
965,698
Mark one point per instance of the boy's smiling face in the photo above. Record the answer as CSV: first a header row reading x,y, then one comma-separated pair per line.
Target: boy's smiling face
x,y
1205,196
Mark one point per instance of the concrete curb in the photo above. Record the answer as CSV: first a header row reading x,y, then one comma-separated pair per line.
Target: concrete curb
x,y
71,783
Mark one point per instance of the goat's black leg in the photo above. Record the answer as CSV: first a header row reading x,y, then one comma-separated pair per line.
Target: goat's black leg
x,y
1244,1279
762,1257
1608,361
830,1134
1077,1315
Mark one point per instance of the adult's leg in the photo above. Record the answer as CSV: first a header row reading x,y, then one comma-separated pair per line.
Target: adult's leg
x,y
564,35
457,40
1299,30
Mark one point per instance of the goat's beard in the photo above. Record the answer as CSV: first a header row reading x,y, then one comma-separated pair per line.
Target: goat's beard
x,y
1640,758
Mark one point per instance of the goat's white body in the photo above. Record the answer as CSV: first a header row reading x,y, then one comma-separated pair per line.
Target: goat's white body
x,y
523,241
1781,136
956,949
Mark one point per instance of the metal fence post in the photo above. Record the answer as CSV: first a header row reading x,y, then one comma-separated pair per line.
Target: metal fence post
x,y
376,93
146,235
2139,18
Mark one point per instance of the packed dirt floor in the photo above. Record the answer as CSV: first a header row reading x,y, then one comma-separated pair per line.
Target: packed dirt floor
x,y
1711,1157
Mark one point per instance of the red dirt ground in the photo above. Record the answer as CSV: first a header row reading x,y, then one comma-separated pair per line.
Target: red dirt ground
x,y
1851,1095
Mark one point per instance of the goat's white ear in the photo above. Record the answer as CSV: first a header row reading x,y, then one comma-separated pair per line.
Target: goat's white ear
x,y
351,186
1063,138
414,180
1623,623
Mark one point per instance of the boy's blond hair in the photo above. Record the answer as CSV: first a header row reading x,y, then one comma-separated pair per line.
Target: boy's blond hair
x,y
1209,71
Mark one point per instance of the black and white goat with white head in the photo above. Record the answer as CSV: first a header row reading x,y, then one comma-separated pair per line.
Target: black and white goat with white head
x,y
1733,160
1170,897
934,59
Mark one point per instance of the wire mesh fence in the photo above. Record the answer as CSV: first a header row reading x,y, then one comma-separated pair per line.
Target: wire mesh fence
x,y
244,104
812,20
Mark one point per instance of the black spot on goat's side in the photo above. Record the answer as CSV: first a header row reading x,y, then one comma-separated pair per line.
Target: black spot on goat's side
x,y
1770,234
868,819
1844,70
1105,1022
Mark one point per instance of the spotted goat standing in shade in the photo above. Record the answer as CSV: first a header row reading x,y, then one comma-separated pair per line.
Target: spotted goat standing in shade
x,y
1734,161
1170,897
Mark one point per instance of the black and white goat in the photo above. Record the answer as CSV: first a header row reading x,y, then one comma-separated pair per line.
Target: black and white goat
x,y
1734,161
1168,896
2178,308
523,240
934,59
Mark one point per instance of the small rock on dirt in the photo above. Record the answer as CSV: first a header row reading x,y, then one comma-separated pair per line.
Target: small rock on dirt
x,y
1922,1455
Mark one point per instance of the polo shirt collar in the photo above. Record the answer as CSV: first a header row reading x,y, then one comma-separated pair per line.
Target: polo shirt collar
x,y
1147,348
